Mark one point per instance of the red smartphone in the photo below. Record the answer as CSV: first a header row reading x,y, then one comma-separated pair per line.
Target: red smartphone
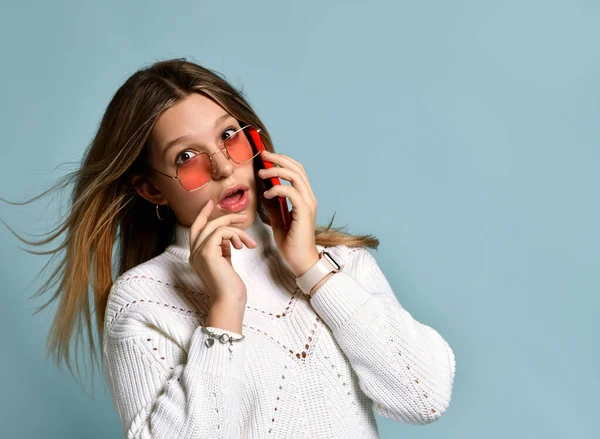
x,y
279,204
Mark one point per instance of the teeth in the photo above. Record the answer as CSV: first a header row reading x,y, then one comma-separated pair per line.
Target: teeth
x,y
230,193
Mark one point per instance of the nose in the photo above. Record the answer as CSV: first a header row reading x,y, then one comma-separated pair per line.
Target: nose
x,y
222,166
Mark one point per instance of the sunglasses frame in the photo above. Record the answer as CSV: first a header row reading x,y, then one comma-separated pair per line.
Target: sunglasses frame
x,y
228,156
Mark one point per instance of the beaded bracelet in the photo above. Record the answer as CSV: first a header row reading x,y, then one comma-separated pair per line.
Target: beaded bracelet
x,y
223,338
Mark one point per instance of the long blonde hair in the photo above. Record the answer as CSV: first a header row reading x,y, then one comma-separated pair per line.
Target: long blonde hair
x,y
105,208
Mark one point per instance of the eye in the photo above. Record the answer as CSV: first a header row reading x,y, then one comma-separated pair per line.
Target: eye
x,y
184,153
227,134
229,130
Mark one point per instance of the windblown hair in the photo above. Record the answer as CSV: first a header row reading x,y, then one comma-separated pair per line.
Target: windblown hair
x,y
106,209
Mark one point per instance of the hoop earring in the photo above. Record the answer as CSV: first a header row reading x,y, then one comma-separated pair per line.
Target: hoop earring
x,y
168,212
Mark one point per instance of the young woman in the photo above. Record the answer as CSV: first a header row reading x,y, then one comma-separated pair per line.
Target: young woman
x,y
220,322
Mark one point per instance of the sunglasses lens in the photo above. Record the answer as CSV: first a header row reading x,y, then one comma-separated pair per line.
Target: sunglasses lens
x,y
195,172
238,146
198,170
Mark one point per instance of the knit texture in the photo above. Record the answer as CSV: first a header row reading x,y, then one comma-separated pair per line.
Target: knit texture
x,y
306,369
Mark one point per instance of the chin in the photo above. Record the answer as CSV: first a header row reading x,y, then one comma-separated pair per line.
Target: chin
x,y
250,220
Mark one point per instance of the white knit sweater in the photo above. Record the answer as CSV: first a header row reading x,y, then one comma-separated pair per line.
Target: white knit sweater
x,y
306,369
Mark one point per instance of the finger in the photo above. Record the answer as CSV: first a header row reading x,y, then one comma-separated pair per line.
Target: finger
x,y
241,237
287,162
237,244
222,222
210,226
298,202
236,241
293,177
226,249
200,222
212,244
215,224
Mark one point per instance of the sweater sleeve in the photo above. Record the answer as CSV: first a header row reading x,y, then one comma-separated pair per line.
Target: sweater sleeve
x,y
405,367
163,387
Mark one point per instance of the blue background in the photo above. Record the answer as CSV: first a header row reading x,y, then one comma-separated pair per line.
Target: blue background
x,y
464,135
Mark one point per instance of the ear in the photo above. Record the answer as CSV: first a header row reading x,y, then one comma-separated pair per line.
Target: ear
x,y
144,187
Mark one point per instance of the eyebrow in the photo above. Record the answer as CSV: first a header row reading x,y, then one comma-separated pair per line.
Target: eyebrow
x,y
183,138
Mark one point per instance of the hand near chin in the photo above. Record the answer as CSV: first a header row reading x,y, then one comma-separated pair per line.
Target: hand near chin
x,y
210,253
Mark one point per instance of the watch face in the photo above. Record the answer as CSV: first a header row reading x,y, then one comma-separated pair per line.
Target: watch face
x,y
331,260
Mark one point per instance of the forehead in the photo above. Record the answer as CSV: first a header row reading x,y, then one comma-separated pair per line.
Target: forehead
x,y
194,116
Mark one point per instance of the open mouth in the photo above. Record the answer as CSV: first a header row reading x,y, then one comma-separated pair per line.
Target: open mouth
x,y
236,201
233,197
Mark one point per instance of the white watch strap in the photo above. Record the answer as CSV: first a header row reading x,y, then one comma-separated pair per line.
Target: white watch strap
x,y
318,271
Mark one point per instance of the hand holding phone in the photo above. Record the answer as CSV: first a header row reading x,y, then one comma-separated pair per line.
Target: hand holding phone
x,y
276,204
